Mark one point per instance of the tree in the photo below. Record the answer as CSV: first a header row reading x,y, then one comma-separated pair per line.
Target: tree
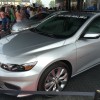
x,y
52,3
39,2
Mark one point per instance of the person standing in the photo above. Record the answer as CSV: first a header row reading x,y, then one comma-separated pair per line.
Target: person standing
x,y
23,14
12,14
0,22
4,19
7,14
31,12
18,14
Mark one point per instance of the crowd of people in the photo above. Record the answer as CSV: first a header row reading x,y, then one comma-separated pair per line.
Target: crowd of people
x,y
10,14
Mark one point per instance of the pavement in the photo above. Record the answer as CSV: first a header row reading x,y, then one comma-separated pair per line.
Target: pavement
x,y
88,81
4,97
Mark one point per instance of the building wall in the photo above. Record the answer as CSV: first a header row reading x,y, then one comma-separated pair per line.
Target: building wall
x,y
91,4
59,1
80,4
10,0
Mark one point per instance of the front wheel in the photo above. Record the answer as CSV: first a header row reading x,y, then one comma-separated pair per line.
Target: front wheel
x,y
54,78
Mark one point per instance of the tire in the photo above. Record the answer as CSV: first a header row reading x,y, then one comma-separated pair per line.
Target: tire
x,y
54,78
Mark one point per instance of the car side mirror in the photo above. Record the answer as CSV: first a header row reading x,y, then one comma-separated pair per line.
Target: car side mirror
x,y
91,35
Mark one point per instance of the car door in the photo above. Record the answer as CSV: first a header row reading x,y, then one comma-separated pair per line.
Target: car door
x,y
88,49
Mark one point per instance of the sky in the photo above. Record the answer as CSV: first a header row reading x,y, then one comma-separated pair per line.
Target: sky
x,y
46,2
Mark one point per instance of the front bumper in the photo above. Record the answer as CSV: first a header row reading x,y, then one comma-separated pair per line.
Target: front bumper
x,y
21,81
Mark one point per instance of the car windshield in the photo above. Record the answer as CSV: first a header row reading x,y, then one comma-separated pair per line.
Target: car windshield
x,y
62,26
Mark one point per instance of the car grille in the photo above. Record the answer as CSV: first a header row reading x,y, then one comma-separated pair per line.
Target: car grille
x,y
8,86
2,86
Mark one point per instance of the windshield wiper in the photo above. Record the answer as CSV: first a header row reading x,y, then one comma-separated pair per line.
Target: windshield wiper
x,y
53,35
35,30
45,33
48,34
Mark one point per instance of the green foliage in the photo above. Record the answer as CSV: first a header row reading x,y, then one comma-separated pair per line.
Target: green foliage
x,y
39,2
52,3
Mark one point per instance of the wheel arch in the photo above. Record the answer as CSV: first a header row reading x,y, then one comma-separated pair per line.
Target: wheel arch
x,y
69,66
64,61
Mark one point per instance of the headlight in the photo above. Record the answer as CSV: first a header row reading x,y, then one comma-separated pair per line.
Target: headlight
x,y
18,68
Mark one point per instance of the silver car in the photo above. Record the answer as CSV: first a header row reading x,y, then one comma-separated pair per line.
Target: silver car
x,y
46,57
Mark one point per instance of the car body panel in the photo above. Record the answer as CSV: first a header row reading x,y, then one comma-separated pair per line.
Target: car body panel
x,y
88,52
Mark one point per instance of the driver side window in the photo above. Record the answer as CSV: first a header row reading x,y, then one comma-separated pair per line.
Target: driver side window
x,y
94,27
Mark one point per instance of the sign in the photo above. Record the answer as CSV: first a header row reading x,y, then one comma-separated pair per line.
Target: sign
x,y
25,0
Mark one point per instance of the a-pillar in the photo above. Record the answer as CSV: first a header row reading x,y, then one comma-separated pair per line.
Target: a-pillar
x,y
98,5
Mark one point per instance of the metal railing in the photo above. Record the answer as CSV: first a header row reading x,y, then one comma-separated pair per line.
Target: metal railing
x,y
95,95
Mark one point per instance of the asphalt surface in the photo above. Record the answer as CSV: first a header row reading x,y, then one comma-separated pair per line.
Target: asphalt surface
x,y
88,81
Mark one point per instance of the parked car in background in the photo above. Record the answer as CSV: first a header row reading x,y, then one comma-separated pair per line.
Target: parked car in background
x,y
44,58
32,22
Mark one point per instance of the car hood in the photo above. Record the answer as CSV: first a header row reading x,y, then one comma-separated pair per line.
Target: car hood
x,y
24,25
27,42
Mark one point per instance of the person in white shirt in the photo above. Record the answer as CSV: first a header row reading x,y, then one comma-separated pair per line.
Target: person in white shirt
x,y
31,12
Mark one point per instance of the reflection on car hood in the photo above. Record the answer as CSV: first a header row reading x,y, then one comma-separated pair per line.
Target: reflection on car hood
x,y
17,27
27,41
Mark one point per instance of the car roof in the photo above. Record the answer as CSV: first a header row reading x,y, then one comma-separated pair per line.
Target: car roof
x,y
84,14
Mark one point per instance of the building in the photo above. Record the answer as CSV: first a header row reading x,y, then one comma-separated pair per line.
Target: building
x,y
60,3
79,4
10,2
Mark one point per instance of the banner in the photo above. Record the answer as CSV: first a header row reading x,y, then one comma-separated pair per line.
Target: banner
x,y
25,0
